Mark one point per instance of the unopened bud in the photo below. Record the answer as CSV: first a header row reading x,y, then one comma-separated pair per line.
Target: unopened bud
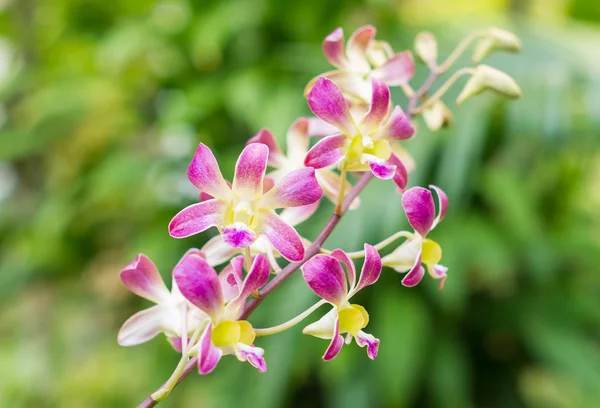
x,y
379,52
495,39
487,78
437,116
426,48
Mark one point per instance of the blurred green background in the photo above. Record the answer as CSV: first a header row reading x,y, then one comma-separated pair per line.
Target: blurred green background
x,y
101,107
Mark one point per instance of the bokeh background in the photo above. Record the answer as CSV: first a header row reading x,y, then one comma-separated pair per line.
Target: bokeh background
x,y
101,106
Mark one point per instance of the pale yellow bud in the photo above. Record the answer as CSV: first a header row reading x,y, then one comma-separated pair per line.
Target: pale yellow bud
x,y
495,39
487,78
426,48
437,116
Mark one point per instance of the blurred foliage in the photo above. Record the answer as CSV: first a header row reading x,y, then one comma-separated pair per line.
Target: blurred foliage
x,y
101,106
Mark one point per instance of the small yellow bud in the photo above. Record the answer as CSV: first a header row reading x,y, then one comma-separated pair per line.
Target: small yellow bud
x,y
426,48
487,78
495,39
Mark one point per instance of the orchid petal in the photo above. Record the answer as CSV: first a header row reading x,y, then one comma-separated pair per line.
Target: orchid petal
x,y
283,237
250,171
253,355
331,183
256,278
350,268
354,86
264,136
317,127
231,278
365,339
398,70
403,258
357,48
328,103
204,173
200,285
325,276
443,204
380,103
299,187
176,343
208,354
414,276
333,48
439,272
401,175
382,170
337,341
324,327
397,127
217,251
196,218
404,156
296,215
371,268
420,209
144,326
326,152
298,140
238,235
142,278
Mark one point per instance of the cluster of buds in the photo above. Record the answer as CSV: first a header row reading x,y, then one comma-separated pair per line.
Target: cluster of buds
x,y
357,131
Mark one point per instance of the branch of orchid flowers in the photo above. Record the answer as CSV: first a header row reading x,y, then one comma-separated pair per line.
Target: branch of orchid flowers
x,y
313,249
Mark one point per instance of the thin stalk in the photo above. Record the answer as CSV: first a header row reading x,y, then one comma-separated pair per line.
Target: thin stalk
x,y
247,259
444,88
460,48
290,323
340,200
382,244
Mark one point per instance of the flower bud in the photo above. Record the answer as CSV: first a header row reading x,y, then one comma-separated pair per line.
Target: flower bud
x,y
487,78
426,48
437,116
379,52
495,39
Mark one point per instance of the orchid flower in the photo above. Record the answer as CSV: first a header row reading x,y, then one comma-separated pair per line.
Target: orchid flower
x,y
172,314
225,334
364,146
419,206
362,59
325,276
242,212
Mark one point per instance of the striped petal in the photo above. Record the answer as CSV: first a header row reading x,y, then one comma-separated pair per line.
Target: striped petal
x,y
325,276
250,171
204,173
382,169
283,237
414,276
420,209
397,127
333,48
238,235
197,218
380,103
327,102
200,285
327,152
208,354
398,70
142,278
299,187
276,156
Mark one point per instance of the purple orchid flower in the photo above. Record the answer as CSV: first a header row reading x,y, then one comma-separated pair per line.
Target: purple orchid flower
x,y
243,211
325,276
225,334
364,146
419,206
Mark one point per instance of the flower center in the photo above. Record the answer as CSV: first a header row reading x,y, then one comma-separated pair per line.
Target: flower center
x,y
353,318
365,145
240,221
432,253
229,333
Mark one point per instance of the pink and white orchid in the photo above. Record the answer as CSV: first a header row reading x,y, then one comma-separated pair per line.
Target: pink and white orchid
x,y
242,212
419,206
172,314
362,59
225,334
325,276
364,146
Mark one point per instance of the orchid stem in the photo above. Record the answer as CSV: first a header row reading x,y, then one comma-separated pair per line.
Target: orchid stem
x,y
247,259
290,323
340,200
444,88
460,48
379,246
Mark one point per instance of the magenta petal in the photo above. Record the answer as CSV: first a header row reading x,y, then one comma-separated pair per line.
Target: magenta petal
x,y
176,343
327,102
142,278
337,341
333,48
420,209
250,170
414,276
208,354
380,103
256,279
231,278
397,70
398,126
238,235
371,268
204,173
327,152
196,218
439,272
319,128
401,175
350,268
254,356
364,339
283,237
442,202
299,187
325,276
199,283
382,170
358,43
264,136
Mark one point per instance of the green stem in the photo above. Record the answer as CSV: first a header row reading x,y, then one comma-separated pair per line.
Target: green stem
x,y
290,323
460,48
444,88
382,244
